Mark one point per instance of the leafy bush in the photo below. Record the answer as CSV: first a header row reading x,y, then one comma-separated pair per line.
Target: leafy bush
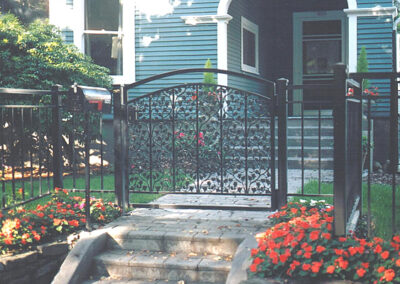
x,y
35,57
301,244
21,228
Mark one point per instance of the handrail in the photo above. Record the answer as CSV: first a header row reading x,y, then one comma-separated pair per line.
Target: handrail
x,y
196,70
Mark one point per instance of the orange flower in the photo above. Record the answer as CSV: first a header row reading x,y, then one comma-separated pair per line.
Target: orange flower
x,y
57,222
361,272
381,269
320,249
398,262
385,254
74,223
306,266
389,275
330,269
254,252
294,210
314,235
326,236
258,260
253,268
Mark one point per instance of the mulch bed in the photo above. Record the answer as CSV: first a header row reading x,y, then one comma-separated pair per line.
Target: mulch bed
x,y
382,178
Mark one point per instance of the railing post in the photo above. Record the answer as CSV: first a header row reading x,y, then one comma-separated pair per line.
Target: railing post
x,y
282,109
56,133
274,193
120,147
339,149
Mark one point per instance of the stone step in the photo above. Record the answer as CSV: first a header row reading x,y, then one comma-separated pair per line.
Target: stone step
x,y
110,280
199,243
308,131
152,266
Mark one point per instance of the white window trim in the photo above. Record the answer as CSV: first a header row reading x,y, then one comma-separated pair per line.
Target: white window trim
x,y
253,28
61,17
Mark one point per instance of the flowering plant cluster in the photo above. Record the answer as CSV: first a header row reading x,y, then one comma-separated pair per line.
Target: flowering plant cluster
x,y
301,244
21,228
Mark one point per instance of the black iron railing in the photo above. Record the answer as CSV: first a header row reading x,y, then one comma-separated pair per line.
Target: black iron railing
x,y
196,138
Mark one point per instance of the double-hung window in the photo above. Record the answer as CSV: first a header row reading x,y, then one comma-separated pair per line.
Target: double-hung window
x,y
103,34
249,36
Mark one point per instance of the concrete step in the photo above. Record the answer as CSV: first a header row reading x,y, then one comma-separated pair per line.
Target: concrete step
x,y
152,266
308,131
199,243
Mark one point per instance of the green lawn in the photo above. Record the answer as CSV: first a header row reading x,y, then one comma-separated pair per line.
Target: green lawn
x,y
381,204
95,183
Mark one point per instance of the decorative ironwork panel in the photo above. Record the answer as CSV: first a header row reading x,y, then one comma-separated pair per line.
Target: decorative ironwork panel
x,y
200,138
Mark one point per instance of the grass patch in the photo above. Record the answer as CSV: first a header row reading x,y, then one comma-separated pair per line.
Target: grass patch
x,y
32,189
381,204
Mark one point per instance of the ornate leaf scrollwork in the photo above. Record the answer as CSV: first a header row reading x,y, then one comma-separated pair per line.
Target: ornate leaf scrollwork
x,y
200,138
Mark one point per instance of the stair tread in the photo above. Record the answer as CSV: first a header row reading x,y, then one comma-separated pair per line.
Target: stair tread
x,y
164,260
111,280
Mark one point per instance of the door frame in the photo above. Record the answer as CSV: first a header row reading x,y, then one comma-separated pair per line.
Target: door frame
x,y
298,19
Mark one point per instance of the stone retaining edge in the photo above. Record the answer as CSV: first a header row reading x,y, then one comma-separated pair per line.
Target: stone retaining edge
x,y
76,266
241,261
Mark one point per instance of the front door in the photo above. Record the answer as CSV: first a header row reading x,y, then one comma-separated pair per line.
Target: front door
x,y
319,43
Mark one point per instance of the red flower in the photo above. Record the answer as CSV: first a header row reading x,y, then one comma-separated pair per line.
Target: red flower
x,y
398,262
385,254
306,266
254,252
320,249
381,269
316,266
365,265
294,210
258,260
361,272
338,251
330,269
307,255
314,235
326,236
74,223
378,249
389,275
253,268
396,239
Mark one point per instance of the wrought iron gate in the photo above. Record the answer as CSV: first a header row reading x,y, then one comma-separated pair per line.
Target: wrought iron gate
x,y
198,138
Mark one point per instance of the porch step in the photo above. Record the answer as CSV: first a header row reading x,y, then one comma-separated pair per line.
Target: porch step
x,y
173,242
151,266
137,257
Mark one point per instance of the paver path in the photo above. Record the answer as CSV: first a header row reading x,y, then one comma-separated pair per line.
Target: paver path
x,y
194,245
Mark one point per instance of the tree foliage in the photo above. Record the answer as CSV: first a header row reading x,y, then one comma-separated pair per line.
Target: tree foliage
x,y
362,65
26,10
36,57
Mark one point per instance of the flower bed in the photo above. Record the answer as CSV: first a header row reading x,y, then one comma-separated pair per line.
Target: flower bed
x,y
20,229
301,245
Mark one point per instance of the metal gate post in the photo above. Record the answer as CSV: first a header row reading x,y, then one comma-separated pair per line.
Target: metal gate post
x,y
339,149
274,193
56,133
119,148
282,96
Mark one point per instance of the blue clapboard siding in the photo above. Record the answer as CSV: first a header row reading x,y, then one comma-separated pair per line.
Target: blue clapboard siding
x,y
375,33
374,3
175,45
254,11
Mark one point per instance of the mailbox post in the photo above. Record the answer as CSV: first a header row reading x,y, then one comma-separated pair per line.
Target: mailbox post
x,y
87,100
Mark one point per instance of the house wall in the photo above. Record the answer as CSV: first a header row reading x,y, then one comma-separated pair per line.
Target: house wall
x,y
375,33
275,20
165,43
257,12
374,3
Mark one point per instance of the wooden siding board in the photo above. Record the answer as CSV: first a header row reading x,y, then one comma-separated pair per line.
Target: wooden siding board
x,y
175,44
374,3
375,33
